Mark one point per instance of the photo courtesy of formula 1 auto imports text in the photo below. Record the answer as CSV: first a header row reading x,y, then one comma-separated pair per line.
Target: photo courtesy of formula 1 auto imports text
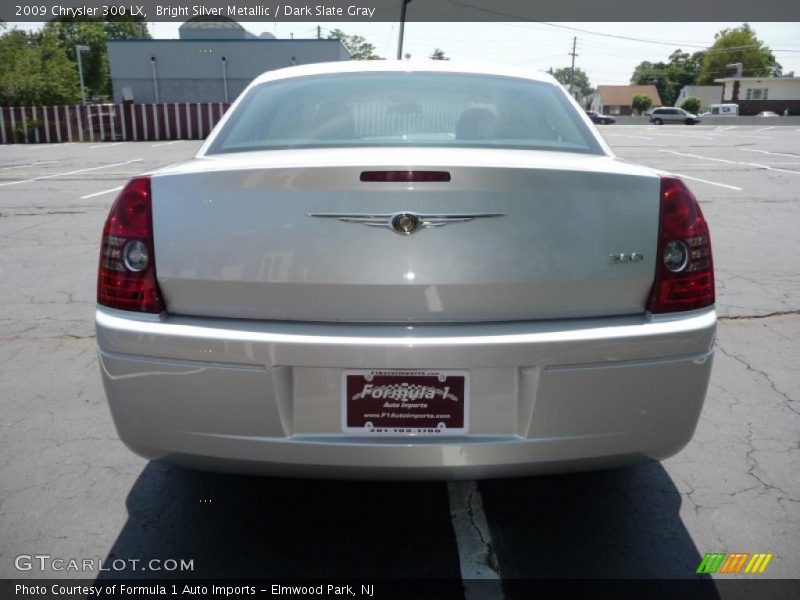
x,y
399,299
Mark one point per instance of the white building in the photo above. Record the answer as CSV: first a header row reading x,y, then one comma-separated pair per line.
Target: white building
x,y
754,94
708,94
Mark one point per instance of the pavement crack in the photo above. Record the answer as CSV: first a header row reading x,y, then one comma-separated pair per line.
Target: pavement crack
x,y
763,374
779,313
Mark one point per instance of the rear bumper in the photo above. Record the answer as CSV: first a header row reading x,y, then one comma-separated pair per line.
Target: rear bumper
x,y
265,397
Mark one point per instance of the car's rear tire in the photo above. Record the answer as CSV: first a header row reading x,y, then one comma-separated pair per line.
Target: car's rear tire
x,y
690,121
658,122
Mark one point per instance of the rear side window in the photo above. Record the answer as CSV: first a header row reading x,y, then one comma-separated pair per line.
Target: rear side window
x,y
405,109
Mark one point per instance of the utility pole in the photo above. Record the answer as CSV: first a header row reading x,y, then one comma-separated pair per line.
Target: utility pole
x,y
402,29
319,32
572,69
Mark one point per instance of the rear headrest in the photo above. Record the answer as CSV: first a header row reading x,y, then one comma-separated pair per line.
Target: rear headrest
x,y
476,124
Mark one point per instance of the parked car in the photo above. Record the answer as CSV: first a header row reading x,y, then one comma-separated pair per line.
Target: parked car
x,y
600,119
388,270
768,114
721,110
662,115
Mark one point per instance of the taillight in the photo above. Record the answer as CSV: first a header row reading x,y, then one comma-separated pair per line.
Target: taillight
x,y
684,266
127,273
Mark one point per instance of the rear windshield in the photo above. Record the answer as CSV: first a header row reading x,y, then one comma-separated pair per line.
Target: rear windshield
x,y
405,109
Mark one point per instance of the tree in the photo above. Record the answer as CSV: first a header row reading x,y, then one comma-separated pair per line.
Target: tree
x,y
438,54
738,45
35,70
669,77
641,102
691,104
580,81
358,47
95,34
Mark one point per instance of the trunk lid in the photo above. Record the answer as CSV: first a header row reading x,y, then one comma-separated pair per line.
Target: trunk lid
x,y
233,236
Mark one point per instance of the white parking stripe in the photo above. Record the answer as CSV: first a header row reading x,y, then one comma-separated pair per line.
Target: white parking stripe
x,y
165,144
767,152
723,185
43,146
36,164
105,145
686,135
766,128
732,162
116,189
127,162
638,137
475,548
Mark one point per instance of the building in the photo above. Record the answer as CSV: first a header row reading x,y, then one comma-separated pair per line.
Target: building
x,y
617,99
754,94
708,95
213,61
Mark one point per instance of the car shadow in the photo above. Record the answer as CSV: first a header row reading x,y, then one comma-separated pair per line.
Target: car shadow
x,y
615,524
234,526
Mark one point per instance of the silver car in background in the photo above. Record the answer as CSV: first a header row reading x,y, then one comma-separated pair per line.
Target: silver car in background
x,y
666,115
388,270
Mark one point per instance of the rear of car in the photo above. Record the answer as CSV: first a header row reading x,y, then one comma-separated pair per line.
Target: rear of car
x,y
373,271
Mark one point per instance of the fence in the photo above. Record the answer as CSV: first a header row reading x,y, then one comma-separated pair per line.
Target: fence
x,y
109,122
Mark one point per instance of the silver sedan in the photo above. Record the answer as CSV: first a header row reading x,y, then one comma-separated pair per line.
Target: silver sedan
x,y
388,270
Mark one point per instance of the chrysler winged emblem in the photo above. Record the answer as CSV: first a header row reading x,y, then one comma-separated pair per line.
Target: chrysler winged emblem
x,y
405,223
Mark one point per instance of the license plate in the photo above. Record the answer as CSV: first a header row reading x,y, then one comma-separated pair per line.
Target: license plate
x,y
405,402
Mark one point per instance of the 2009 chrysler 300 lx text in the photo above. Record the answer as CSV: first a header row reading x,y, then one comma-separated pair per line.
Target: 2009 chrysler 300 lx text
x,y
381,270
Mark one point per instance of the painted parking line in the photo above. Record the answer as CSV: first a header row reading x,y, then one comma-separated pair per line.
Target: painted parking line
x,y
127,162
43,146
105,145
687,135
474,541
731,162
772,153
116,189
165,143
638,137
35,164
766,128
722,185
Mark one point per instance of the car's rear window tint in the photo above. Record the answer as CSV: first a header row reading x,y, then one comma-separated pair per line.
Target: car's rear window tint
x,y
405,109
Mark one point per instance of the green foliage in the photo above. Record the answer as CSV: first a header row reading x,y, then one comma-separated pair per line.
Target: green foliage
x,y
580,81
738,45
95,34
669,77
691,104
438,54
358,46
641,102
35,70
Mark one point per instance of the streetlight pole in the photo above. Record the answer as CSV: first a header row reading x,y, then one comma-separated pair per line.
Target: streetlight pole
x,y
402,29
78,50
155,78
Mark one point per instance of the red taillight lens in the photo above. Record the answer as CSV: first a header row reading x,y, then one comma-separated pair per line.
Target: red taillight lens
x,y
127,274
684,266
405,176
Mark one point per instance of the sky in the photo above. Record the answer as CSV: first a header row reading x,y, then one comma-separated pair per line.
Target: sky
x,y
603,52
607,60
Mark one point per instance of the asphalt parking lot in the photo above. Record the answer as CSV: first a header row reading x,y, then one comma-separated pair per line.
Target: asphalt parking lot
x,y
70,489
